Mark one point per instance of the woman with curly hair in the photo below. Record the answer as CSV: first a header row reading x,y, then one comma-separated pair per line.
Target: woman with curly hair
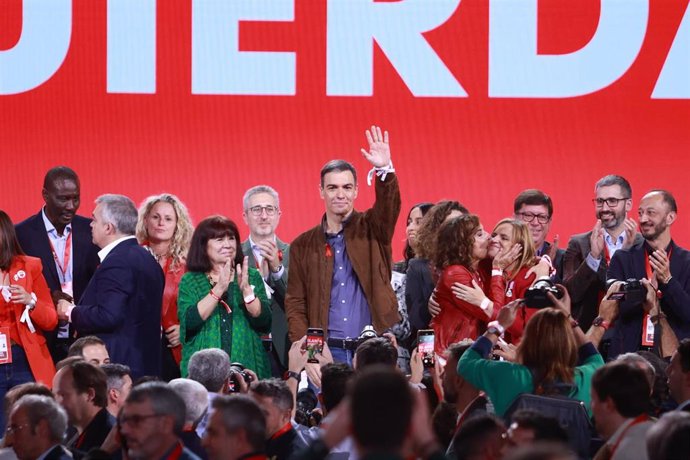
x,y
165,229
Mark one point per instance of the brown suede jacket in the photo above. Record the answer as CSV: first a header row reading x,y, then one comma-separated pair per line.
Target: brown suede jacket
x,y
368,237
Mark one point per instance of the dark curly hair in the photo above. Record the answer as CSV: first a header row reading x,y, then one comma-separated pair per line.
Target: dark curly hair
x,y
455,241
426,235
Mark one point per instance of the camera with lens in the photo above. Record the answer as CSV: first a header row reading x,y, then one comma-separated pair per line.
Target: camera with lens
x,y
367,333
305,414
238,371
535,296
631,290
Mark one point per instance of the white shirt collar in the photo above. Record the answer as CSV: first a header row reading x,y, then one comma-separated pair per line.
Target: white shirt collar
x,y
103,253
50,228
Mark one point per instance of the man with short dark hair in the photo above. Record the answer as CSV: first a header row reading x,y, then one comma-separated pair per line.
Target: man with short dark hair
x,y
535,208
620,401
151,418
271,256
678,373
664,268
480,437
589,254
122,304
37,424
529,426
91,348
341,269
119,385
377,350
276,401
62,240
237,429
81,389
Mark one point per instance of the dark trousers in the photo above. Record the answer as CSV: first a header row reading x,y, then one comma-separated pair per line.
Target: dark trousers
x,y
12,374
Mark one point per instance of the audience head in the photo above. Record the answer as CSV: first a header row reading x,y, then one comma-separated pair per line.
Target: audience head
x,y
334,380
620,390
237,427
195,397
479,437
610,189
506,234
542,451
261,211
17,391
536,209
81,389
377,350
151,419
164,218
61,196
114,217
549,347
657,212
381,405
678,372
528,426
414,221
425,242
669,437
276,401
9,245
461,241
119,378
211,368
36,424
91,348
637,360
215,241
454,386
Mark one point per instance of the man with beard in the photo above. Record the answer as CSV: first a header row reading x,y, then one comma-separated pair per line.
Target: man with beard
x,y
589,254
661,265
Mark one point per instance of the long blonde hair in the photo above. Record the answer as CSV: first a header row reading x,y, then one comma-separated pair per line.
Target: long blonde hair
x,y
183,230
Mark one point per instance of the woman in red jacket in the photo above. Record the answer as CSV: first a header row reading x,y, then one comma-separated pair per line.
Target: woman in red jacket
x,y
165,229
26,310
462,243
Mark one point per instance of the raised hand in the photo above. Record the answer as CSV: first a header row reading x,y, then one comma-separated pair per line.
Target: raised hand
x,y
379,154
630,233
225,275
596,240
507,314
503,260
242,277
554,247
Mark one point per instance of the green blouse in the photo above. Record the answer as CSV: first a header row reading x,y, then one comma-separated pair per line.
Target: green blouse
x,y
237,333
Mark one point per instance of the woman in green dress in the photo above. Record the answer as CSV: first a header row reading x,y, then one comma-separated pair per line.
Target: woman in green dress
x,y
222,302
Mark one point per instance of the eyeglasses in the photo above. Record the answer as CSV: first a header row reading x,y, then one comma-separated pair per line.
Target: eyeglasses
x,y
611,202
529,217
135,420
258,210
11,429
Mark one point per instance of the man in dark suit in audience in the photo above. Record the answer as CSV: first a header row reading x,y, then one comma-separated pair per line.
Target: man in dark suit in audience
x,y
589,254
37,424
62,240
122,303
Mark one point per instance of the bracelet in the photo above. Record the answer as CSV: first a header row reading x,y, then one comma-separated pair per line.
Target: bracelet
x,y
497,272
668,280
495,324
485,303
219,300
250,298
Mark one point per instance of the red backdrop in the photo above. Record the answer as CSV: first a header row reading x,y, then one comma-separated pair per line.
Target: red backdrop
x,y
481,150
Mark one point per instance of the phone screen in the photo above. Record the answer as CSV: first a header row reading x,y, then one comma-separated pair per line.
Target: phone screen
x,y
425,346
314,344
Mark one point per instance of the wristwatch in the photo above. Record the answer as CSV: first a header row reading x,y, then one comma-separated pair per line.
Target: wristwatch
x,y
291,374
494,327
601,322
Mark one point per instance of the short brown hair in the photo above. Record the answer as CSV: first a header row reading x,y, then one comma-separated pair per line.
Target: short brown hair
x,y
533,197
455,241
86,375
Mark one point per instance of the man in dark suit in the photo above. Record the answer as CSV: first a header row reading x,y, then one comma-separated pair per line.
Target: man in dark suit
x,y
661,265
122,303
62,240
270,256
37,424
678,373
535,208
589,254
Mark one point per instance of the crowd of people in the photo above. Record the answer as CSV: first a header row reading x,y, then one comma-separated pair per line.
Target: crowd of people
x,y
136,334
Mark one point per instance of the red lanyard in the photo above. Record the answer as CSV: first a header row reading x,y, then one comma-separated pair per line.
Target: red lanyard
x,y
282,431
68,251
175,454
639,419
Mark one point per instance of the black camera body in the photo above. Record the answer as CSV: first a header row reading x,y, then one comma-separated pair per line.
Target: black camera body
x,y
305,413
631,290
535,296
237,371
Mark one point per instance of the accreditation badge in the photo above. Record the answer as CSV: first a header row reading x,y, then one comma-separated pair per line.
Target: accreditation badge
x,y
5,348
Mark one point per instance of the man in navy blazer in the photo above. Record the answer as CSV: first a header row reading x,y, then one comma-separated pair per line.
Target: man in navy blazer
x,y
62,240
658,261
122,303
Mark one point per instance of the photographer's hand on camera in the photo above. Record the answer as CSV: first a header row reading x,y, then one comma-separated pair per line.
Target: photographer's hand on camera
x,y
564,302
608,308
507,351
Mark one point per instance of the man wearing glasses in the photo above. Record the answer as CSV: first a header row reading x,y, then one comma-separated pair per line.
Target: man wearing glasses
x,y
270,256
589,254
535,208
